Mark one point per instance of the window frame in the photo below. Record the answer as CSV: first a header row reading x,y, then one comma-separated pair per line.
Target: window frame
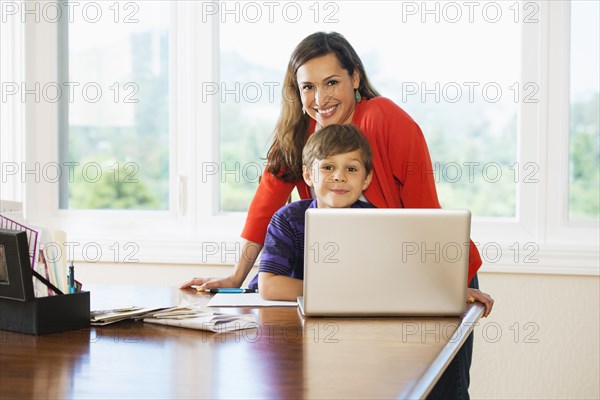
x,y
12,123
193,223
560,227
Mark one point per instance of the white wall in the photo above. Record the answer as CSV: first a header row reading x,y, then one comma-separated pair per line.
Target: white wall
x,y
148,274
542,340
560,360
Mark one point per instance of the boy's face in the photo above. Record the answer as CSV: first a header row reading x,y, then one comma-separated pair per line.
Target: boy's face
x,y
338,180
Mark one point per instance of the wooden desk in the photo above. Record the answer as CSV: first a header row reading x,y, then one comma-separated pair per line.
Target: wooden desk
x,y
287,357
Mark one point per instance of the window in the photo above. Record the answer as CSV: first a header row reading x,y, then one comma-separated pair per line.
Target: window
x,y
584,166
488,82
460,80
116,130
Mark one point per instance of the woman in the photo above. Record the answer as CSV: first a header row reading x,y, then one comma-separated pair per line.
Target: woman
x,y
326,83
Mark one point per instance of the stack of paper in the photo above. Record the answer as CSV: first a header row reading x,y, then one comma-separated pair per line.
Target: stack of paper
x,y
195,317
186,315
105,317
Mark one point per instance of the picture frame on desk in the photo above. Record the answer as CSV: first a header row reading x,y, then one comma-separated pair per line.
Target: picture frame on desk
x,y
15,268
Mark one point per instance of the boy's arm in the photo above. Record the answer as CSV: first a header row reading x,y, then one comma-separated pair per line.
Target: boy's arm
x,y
279,287
281,257
271,195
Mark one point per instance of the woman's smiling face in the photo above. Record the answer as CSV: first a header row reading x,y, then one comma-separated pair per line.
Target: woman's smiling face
x,y
327,90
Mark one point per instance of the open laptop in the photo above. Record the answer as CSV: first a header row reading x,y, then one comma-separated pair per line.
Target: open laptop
x,y
385,262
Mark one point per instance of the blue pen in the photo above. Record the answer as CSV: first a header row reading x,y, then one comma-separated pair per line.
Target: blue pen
x,y
230,290
71,278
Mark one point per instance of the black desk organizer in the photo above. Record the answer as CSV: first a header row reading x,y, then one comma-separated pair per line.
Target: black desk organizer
x,y
43,315
20,311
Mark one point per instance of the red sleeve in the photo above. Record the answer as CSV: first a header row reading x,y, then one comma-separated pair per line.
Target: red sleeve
x,y
405,159
271,195
405,163
474,261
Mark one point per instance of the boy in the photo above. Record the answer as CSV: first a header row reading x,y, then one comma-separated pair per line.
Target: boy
x,y
337,163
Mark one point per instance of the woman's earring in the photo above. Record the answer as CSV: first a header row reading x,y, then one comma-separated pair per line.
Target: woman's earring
x,y
357,95
303,110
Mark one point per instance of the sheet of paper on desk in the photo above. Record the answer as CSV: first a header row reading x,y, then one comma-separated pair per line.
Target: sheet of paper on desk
x,y
183,310
213,323
246,300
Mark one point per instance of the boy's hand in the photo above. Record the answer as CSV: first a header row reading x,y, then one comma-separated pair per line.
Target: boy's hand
x,y
474,295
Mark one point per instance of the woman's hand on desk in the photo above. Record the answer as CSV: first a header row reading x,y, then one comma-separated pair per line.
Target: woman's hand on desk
x,y
250,252
474,295
210,283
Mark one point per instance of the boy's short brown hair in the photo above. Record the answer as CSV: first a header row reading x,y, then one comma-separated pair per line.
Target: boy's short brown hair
x,y
337,139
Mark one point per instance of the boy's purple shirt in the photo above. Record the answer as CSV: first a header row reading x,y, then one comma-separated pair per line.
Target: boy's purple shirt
x,y
283,253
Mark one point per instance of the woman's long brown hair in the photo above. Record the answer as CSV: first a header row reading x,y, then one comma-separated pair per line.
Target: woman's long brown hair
x,y
285,155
